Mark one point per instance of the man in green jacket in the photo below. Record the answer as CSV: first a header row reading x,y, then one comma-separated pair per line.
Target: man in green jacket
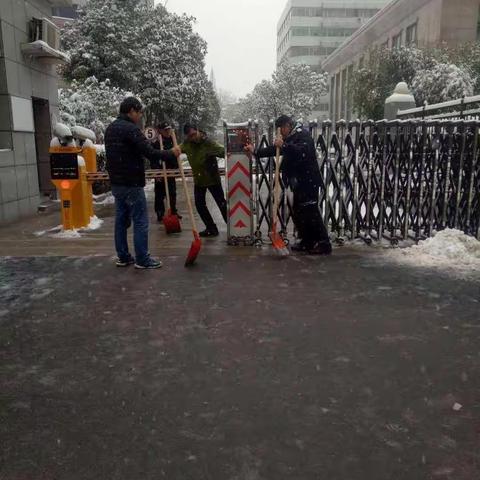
x,y
202,155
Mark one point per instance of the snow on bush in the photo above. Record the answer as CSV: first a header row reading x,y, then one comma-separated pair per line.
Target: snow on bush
x,y
434,75
90,103
441,83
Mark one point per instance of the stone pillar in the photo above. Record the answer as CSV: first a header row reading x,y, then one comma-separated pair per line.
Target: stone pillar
x,y
401,99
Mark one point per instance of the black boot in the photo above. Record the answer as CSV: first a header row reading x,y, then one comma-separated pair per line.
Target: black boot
x,y
209,232
300,247
321,248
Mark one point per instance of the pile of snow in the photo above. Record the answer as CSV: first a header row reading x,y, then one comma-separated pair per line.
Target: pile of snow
x,y
59,232
66,234
448,248
41,233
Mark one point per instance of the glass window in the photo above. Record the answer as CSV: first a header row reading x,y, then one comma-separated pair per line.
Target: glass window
x,y
333,12
6,140
298,12
300,32
322,31
411,34
66,12
319,51
397,40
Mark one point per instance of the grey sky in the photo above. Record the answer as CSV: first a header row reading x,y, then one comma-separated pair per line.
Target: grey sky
x,y
241,36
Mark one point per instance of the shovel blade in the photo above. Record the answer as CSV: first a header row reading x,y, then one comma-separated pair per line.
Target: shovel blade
x,y
194,250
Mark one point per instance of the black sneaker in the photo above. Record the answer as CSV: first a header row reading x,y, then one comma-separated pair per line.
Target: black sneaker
x,y
150,264
208,233
321,248
125,262
177,215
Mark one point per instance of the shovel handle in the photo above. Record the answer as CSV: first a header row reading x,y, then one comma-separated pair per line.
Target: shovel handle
x,y
184,180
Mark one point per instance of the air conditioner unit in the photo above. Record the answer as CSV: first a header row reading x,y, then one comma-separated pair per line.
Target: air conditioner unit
x,y
46,31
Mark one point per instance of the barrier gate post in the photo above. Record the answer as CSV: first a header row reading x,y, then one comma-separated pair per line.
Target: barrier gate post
x,y
68,174
84,138
238,177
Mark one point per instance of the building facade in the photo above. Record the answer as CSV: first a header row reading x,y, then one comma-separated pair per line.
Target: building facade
x,y
425,23
29,53
63,14
310,30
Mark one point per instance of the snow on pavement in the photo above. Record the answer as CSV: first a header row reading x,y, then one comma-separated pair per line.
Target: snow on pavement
x,y
450,249
59,232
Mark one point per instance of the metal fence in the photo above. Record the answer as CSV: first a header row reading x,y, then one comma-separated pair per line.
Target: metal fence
x,y
465,108
394,180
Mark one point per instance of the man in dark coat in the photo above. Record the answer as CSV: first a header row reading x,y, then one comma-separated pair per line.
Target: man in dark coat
x,y
301,172
164,130
126,148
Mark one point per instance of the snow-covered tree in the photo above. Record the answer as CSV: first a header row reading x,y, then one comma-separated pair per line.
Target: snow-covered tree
x,y
228,104
226,98
466,56
299,88
441,83
90,104
429,72
293,90
372,84
150,51
172,77
263,103
105,42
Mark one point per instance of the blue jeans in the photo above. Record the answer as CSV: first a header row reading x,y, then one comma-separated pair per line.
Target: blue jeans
x,y
131,204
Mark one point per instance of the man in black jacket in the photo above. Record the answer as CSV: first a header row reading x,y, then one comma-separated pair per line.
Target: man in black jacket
x,y
301,172
126,147
165,131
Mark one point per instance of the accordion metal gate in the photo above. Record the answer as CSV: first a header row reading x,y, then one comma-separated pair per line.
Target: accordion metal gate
x,y
385,180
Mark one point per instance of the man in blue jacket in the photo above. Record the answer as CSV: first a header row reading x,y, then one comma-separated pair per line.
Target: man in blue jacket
x,y
302,173
126,149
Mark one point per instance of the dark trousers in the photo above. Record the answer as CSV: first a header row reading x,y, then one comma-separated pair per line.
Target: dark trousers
x,y
160,195
201,203
306,216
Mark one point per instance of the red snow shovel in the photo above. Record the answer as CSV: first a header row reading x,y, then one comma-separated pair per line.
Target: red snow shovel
x,y
197,243
171,222
277,240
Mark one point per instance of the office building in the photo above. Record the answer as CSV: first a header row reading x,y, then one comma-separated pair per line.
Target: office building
x,y
310,30
424,23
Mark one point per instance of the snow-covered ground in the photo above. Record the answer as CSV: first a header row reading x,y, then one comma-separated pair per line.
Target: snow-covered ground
x,y
450,251
59,232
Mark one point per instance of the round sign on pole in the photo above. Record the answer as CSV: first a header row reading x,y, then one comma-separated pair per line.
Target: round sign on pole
x,y
151,134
